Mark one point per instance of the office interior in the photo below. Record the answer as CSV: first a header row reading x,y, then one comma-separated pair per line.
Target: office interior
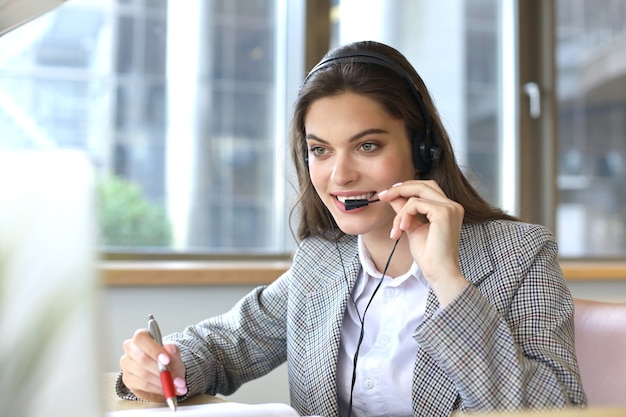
x,y
188,101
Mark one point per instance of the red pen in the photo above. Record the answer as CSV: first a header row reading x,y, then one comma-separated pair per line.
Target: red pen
x,y
166,376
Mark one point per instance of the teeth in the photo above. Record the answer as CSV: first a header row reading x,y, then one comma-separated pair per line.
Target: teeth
x,y
355,197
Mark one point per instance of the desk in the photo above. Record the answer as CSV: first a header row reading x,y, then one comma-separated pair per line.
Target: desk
x,y
113,403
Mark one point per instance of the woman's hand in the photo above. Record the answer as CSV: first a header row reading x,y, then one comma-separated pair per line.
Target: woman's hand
x,y
141,371
432,223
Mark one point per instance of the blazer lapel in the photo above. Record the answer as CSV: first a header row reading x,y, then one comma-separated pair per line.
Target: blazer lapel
x,y
325,309
433,392
475,262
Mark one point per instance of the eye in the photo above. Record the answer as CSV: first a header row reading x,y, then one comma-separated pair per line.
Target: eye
x,y
369,146
317,150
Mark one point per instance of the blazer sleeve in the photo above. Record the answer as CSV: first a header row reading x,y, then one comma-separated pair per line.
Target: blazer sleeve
x,y
223,352
507,342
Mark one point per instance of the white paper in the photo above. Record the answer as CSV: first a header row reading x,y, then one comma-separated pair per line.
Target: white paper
x,y
225,409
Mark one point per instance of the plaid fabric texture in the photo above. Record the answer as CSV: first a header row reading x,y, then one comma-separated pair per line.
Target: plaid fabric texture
x,y
507,342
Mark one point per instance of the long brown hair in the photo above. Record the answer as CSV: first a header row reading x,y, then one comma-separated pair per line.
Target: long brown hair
x,y
390,90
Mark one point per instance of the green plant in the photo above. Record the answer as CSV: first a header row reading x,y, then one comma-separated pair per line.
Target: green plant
x,y
127,218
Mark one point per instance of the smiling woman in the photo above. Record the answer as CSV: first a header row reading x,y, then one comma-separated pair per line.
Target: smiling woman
x,y
439,254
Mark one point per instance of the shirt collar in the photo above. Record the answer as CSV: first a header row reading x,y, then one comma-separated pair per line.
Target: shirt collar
x,y
370,269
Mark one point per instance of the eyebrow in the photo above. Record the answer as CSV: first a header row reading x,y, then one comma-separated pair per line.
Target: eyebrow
x,y
358,136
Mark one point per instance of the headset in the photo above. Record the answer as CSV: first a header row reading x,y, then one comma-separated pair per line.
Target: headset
x,y
425,150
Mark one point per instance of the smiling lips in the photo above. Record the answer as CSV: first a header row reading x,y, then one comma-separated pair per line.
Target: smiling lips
x,y
343,198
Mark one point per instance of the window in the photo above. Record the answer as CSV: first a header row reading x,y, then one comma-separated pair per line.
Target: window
x,y
182,106
591,73
480,77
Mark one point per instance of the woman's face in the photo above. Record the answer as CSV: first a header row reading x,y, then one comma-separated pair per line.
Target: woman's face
x,y
356,149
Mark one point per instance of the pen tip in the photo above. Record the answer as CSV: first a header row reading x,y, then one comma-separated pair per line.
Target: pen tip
x,y
172,403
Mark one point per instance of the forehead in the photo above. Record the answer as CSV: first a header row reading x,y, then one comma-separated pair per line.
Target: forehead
x,y
346,108
351,117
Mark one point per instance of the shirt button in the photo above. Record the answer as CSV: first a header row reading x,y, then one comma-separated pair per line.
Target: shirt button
x,y
390,292
369,384
384,340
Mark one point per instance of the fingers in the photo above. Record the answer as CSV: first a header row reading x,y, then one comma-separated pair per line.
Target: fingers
x,y
177,367
410,217
418,203
140,354
140,368
140,371
425,189
414,202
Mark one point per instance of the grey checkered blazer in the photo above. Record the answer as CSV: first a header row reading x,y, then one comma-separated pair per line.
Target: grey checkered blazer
x,y
506,342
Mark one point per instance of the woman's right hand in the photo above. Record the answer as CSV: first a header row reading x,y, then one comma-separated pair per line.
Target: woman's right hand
x,y
140,370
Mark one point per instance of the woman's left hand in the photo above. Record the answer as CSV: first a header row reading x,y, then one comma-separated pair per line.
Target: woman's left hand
x,y
432,223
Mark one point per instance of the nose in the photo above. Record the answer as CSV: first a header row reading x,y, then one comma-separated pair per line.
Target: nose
x,y
345,170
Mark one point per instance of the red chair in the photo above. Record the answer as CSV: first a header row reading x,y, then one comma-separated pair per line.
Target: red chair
x,y
601,349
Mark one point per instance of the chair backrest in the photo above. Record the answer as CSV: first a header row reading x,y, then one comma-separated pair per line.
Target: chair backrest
x,y
601,349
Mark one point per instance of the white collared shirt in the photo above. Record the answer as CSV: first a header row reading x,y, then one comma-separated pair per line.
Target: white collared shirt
x,y
386,358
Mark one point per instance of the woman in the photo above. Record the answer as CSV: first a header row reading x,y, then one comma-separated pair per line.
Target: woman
x,y
423,300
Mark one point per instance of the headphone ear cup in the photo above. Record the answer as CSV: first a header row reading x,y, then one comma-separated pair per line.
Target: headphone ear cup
x,y
425,153
421,161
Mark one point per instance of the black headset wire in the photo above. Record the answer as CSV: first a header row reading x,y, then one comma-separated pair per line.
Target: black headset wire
x,y
361,318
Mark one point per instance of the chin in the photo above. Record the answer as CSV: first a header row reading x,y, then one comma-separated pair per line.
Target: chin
x,y
351,228
362,224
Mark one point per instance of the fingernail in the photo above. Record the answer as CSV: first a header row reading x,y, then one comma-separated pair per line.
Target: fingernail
x,y
382,193
181,387
397,184
164,359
